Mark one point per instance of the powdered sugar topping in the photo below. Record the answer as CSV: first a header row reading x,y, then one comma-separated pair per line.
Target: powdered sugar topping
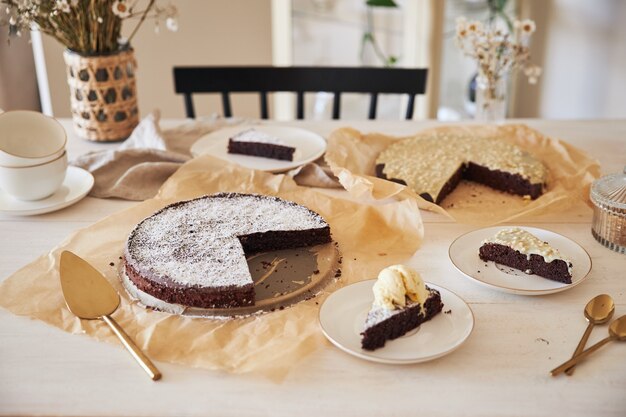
x,y
195,242
253,135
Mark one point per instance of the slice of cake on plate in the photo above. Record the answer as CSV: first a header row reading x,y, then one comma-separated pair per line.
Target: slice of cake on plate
x,y
401,303
256,143
522,250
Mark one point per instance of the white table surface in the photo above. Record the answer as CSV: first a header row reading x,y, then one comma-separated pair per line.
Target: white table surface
x,y
501,371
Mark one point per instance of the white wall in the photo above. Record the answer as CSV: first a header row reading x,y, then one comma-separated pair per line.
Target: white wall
x,y
585,60
212,32
18,89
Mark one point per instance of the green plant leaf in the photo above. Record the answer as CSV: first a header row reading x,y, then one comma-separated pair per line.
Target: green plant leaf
x,y
381,3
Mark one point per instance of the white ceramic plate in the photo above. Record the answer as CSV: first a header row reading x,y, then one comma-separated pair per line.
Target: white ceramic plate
x,y
343,314
76,185
463,253
309,146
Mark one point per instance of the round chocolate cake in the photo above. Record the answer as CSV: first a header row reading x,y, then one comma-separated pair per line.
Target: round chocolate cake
x,y
193,252
434,165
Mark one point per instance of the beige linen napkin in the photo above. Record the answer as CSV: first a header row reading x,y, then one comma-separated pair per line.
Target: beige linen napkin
x,y
137,168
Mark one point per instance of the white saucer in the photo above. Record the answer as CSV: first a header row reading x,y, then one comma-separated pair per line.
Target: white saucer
x,y
76,185
343,314
463,253
309,146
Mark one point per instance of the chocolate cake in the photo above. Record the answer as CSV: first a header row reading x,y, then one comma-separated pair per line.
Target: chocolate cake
x,y
193,252
434,165
522,250
402,302
255,143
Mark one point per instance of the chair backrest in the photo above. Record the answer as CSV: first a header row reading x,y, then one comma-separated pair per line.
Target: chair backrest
x,y
336,80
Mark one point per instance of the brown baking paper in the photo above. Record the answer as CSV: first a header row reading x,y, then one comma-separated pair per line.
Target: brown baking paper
x,y
352,157
369,237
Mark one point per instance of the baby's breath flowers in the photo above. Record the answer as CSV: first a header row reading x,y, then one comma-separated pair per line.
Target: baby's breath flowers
x,y
497,52
88,27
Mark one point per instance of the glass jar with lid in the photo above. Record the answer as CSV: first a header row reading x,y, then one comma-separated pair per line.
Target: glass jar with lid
x,y
608,195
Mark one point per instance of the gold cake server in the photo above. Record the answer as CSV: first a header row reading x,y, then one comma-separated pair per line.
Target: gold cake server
x,y
90,296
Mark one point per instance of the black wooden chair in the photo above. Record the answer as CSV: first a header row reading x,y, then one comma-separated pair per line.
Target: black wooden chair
x,y
336,80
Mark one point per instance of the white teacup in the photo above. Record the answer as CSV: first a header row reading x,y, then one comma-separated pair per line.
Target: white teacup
x,y
34,182
29,138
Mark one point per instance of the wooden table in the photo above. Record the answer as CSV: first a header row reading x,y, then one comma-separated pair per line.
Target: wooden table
x,y
502,370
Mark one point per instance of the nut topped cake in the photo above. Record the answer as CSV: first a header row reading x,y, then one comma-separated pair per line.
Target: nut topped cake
x,y
434,165
256,143
402,302
193,252
522,250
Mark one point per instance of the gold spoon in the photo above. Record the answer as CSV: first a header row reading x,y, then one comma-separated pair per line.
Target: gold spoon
x,y
598,310
617,331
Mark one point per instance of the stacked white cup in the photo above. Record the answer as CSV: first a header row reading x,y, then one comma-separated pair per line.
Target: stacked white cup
x,y
33,159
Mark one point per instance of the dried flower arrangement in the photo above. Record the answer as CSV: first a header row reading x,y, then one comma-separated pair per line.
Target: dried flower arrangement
x,y
87,27
100,63
497,52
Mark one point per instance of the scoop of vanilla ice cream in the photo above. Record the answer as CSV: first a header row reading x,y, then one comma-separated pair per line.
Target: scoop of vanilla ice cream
x,y
397,282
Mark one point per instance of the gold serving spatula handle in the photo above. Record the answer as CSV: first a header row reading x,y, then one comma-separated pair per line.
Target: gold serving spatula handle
x,y
139,356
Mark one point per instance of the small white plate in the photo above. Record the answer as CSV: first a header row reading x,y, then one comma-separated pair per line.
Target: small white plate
x,y
76,185
343,314
309,146
463,253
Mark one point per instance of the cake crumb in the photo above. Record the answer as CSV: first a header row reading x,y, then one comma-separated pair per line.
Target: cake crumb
x,y
111,263
120,258
317,271
448,311
541,339
298,282
382,254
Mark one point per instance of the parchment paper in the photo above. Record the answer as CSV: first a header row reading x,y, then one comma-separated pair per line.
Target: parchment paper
x,y
352,157
369,237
